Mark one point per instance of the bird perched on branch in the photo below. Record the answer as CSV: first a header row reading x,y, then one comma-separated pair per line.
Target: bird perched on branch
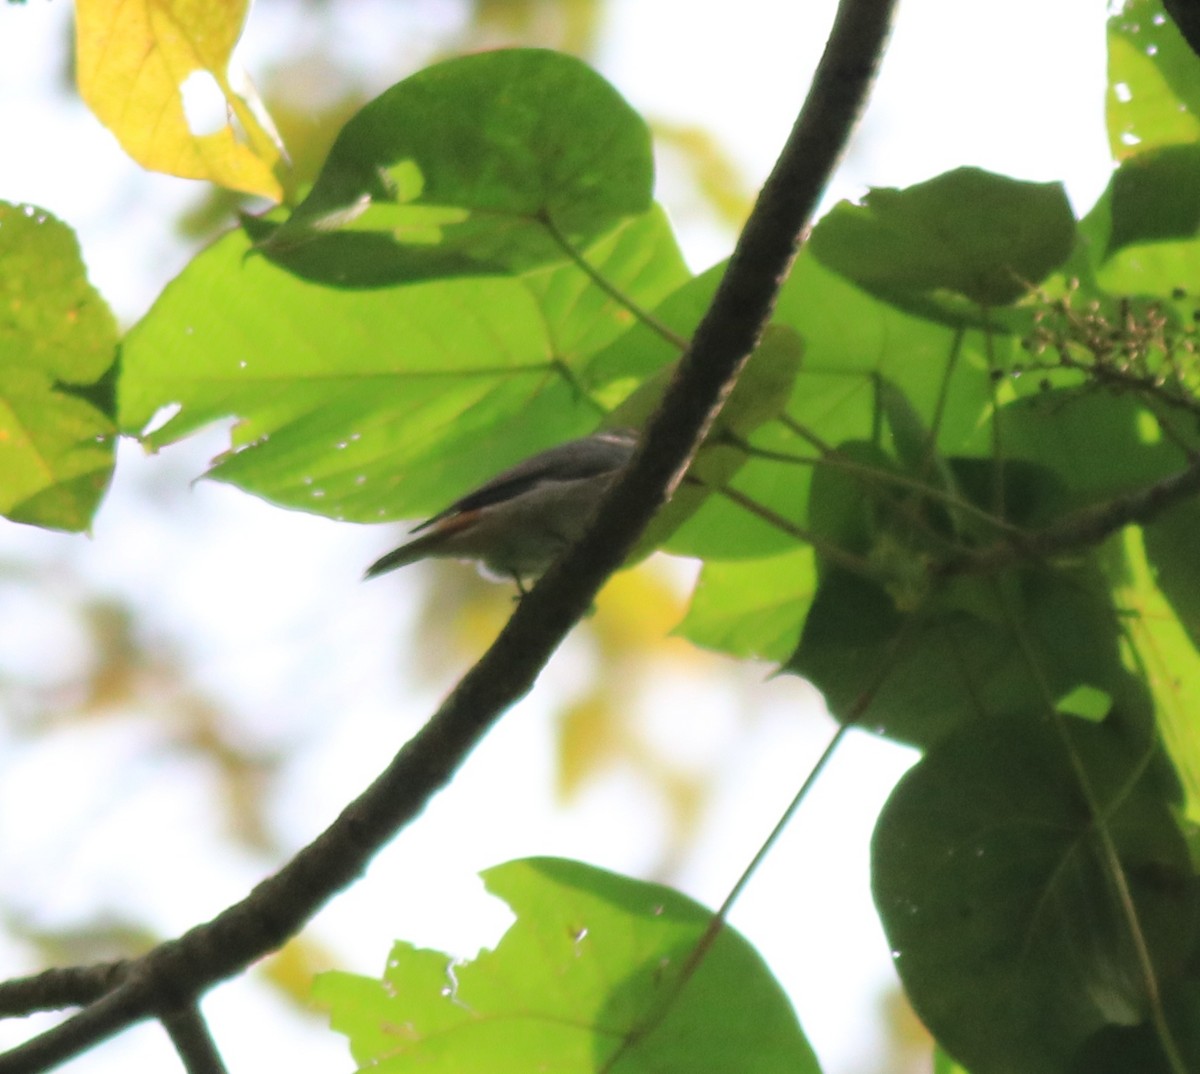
x,y
517,523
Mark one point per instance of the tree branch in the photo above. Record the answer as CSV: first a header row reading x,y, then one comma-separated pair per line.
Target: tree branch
x,y
173,974
190,1034
70,986
1080,529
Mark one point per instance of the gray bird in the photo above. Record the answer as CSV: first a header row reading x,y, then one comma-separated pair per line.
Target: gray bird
x,y
517,523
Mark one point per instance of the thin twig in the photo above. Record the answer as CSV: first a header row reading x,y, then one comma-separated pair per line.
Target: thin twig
x,y
661,328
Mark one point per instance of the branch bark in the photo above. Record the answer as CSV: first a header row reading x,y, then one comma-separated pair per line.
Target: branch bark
x,y
173,975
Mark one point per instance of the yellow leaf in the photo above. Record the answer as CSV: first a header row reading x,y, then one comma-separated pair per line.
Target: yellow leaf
x,y
136,61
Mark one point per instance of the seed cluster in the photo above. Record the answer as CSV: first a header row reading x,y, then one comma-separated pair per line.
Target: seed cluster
x,y
1146,346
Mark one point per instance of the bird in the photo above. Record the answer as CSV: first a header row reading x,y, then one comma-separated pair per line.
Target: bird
x,y
518,522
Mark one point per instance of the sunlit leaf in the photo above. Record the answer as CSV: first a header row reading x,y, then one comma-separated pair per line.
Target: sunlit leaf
x,y
475,164
999,899
144,64
852,339
760,396
752,608
584,980
57,348
1153,94
1161,628
384,403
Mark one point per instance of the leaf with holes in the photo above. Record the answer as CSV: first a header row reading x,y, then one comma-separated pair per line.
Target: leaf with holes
x,y
586,979
479,164
1153,98
139,61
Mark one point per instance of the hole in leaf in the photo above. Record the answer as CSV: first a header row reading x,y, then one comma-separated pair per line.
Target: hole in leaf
x,y
204,105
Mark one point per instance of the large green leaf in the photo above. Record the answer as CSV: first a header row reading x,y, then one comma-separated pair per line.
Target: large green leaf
x,y
374,404
1001,904
852,339
1153,81
586,979
915,673
479,163
57,349
985,237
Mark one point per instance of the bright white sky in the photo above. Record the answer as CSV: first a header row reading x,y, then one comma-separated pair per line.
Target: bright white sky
x,y
270,601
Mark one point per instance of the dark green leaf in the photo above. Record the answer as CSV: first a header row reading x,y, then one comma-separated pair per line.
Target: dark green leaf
x,y
475,164
1098,443
927,659
1152,197
985,237
958,657
57,348
1000,903
582,981
1124,1049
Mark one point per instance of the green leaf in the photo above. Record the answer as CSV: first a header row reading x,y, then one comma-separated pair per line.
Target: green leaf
x,y
958,655
1122,1049
1153,96
1152,197
760,396
752,609
1099,444
999,902
476,164
929,655
372,405
714,526
1162,639
57,349
584,980
853,341
985,237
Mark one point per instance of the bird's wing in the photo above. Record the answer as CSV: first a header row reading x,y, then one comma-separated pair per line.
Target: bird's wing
x,y
572,461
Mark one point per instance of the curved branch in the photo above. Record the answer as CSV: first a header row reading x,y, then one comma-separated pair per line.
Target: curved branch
x,y
173,974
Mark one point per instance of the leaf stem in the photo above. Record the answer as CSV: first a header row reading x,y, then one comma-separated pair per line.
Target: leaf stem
x,y
615,293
